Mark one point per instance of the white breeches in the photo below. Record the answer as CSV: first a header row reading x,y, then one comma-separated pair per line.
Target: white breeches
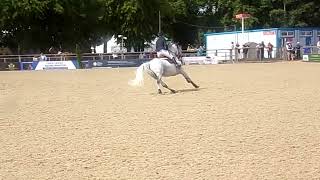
x,y
165,53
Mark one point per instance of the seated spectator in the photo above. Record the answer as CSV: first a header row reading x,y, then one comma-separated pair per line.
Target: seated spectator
x,y
34,58
200,51
190,48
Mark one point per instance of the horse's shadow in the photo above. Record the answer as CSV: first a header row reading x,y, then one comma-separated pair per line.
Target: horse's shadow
x,y
180,91
189,90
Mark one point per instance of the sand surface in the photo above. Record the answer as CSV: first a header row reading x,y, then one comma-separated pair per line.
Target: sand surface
x,y
247,121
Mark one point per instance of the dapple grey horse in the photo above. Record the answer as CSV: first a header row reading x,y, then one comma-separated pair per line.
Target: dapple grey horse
x,y
161,67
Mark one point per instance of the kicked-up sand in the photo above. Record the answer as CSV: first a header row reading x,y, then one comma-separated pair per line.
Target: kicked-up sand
x,y
247,121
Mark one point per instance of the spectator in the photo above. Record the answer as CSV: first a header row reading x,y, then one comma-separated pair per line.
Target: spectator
x,y
238,48
200,51
258,50
140,56
269,50
232,45
231,50
34,58
42,57
318,46
237,51
245,49
289,49
298,52
190,48
262,46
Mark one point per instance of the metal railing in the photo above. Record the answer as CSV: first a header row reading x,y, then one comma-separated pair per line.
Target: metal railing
x,y
258,54
222,55
84,57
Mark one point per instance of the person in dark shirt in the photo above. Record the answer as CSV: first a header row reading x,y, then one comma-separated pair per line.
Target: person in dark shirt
x,y
162,50
270,50
298,52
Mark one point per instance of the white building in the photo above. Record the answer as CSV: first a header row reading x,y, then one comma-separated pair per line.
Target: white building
x,y
221,42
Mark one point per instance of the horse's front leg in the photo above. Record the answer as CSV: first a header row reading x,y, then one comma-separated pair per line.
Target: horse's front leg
x,y
166,86
188,79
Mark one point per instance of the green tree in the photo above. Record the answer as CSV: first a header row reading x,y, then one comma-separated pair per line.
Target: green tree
x,y
41,24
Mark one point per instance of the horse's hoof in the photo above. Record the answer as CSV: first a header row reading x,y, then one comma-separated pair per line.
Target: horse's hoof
x,y
173,91
159,91
195,86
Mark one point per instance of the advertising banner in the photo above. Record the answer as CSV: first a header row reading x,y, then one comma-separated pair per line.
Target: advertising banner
x,y
199,60
48,65
311,57
116,63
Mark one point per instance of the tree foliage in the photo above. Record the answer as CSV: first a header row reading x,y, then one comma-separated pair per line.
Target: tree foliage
x,y
40,24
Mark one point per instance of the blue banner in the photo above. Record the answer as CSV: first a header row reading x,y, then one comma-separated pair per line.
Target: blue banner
x,y
116,63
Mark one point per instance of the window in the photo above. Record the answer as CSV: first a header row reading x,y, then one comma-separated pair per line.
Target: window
x,y
318,33
306,33
287,33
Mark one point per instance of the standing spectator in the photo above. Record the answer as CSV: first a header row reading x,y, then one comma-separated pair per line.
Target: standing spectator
x,y
289,49
238,48
245,49
298,52
42,57
262,46
232,45
258,50
269,50
140,56
231,50
237,51
318,46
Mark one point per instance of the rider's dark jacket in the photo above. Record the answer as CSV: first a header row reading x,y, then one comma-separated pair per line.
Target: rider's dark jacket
x,y
161,44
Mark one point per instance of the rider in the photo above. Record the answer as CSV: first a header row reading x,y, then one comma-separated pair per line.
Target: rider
x,y
162,50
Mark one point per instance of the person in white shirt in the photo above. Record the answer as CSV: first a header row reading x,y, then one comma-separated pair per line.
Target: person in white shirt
x,y
43,57
289,49
318,46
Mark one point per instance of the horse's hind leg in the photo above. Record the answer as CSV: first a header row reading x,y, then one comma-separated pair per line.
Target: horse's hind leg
x,y
156,77
166,86
188,79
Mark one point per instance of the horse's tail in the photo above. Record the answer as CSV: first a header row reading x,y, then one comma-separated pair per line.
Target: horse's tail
x,y
138,81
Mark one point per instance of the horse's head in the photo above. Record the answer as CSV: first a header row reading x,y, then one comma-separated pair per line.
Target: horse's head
x,y
175,49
